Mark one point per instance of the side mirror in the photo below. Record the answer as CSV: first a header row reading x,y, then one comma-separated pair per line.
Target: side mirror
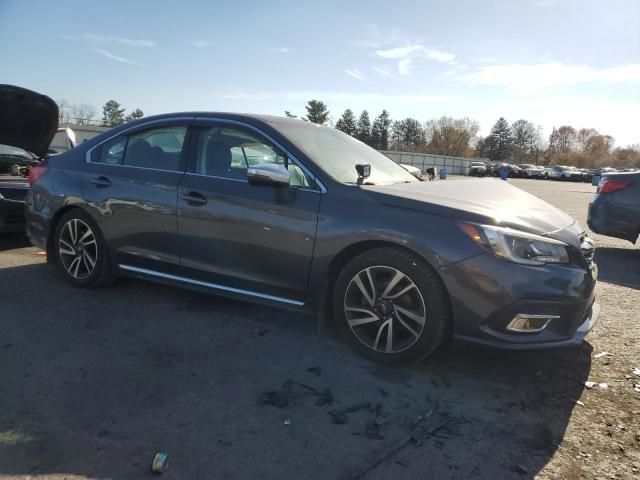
x,y
269,174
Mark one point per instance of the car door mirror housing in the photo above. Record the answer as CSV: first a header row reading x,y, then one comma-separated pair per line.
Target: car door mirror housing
x,y
269,174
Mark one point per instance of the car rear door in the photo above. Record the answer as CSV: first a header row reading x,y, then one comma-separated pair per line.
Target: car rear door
x,y
256,240
131,184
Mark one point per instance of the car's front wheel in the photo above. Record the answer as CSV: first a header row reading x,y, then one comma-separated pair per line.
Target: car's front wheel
x,y
81,254
391,306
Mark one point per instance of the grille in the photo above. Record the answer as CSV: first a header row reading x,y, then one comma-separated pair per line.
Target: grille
x,y
588,248
11,193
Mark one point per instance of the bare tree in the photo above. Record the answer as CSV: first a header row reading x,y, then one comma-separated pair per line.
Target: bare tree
x,y
63,112
83,113
450,136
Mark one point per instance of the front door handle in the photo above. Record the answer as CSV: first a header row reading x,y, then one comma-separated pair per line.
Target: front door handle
x,y
101,182
194,199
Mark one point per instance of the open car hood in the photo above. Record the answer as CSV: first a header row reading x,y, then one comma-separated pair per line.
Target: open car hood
x,y
28,120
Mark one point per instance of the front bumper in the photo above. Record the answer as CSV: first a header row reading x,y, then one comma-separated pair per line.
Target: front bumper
x,y
487,293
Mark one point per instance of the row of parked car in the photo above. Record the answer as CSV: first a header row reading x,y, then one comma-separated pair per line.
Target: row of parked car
x,y
525,170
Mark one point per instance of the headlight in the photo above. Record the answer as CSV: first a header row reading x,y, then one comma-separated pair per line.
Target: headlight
x,y
517,246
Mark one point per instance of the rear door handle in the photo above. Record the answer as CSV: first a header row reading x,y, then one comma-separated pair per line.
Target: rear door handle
x,y
194,199
101,182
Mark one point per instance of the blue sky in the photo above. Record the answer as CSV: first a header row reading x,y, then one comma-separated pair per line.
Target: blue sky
x,y
552,62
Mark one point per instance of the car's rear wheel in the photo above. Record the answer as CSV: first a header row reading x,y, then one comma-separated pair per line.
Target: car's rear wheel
x,y
391,306
80,252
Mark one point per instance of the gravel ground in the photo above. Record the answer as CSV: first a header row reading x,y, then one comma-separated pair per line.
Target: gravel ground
x,y
93,383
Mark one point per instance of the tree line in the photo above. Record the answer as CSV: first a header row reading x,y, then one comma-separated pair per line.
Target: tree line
x,y
519,142
113,114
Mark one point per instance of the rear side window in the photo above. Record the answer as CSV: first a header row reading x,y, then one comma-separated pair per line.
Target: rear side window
x,y
158,148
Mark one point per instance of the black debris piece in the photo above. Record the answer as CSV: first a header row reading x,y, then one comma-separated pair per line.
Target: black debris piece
x,y
383,392
317,371
339,418
325,398
281,397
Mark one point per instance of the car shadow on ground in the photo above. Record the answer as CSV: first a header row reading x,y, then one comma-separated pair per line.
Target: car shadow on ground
x,y
94,382
11,241
620,266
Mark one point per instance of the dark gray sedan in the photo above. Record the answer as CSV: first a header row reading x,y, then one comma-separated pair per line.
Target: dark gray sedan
x,y
615,211
288,213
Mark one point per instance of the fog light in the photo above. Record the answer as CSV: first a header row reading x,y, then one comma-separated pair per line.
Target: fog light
x,y
528,323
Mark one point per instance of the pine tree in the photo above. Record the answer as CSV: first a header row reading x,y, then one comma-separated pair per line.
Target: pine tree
x,y
317,112
347,123
363,129
112,114
134,115
501,140
289,114
380,131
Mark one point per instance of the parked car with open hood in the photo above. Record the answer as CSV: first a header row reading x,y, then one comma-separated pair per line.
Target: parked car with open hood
x,y
298,215
615,211
28,123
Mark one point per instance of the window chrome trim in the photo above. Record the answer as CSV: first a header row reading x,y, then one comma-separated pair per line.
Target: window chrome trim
x,y
87,156
217,177
215,286
290,156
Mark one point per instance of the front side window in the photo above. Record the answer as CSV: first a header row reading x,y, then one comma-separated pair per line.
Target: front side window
x,y
159,148
228,152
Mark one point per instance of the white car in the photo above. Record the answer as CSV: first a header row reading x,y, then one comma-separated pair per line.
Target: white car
x,y
532,171
415,171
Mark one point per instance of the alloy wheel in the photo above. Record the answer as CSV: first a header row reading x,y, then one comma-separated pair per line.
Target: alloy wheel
x,y
78,249
385,309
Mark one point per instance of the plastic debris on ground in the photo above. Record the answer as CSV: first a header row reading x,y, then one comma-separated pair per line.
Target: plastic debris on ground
x,y
603,354
160,462
284,396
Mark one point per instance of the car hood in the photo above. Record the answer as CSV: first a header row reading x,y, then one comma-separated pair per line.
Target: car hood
x,y
28,120
485,201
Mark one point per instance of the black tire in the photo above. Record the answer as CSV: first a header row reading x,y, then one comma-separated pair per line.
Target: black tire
x,y
418,340
102,273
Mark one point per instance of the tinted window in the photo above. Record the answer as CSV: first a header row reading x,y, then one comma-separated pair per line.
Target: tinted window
x,y
159,148
110,152
229,152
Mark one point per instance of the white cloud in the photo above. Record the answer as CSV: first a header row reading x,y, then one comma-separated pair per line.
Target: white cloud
x,y
399,52
383,72
439,56
330,96
524,79
112,56
283,49
404,66
200,43
110,39
355,73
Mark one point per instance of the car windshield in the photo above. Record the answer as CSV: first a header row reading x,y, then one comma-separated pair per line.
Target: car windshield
x,y
338,154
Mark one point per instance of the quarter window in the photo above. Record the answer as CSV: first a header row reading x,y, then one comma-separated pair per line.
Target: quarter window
x,y
229,152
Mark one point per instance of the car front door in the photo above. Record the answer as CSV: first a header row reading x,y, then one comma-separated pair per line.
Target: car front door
x,y
248,239
131,184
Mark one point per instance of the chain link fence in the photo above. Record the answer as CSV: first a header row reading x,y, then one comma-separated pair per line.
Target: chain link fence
x,y
453,165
